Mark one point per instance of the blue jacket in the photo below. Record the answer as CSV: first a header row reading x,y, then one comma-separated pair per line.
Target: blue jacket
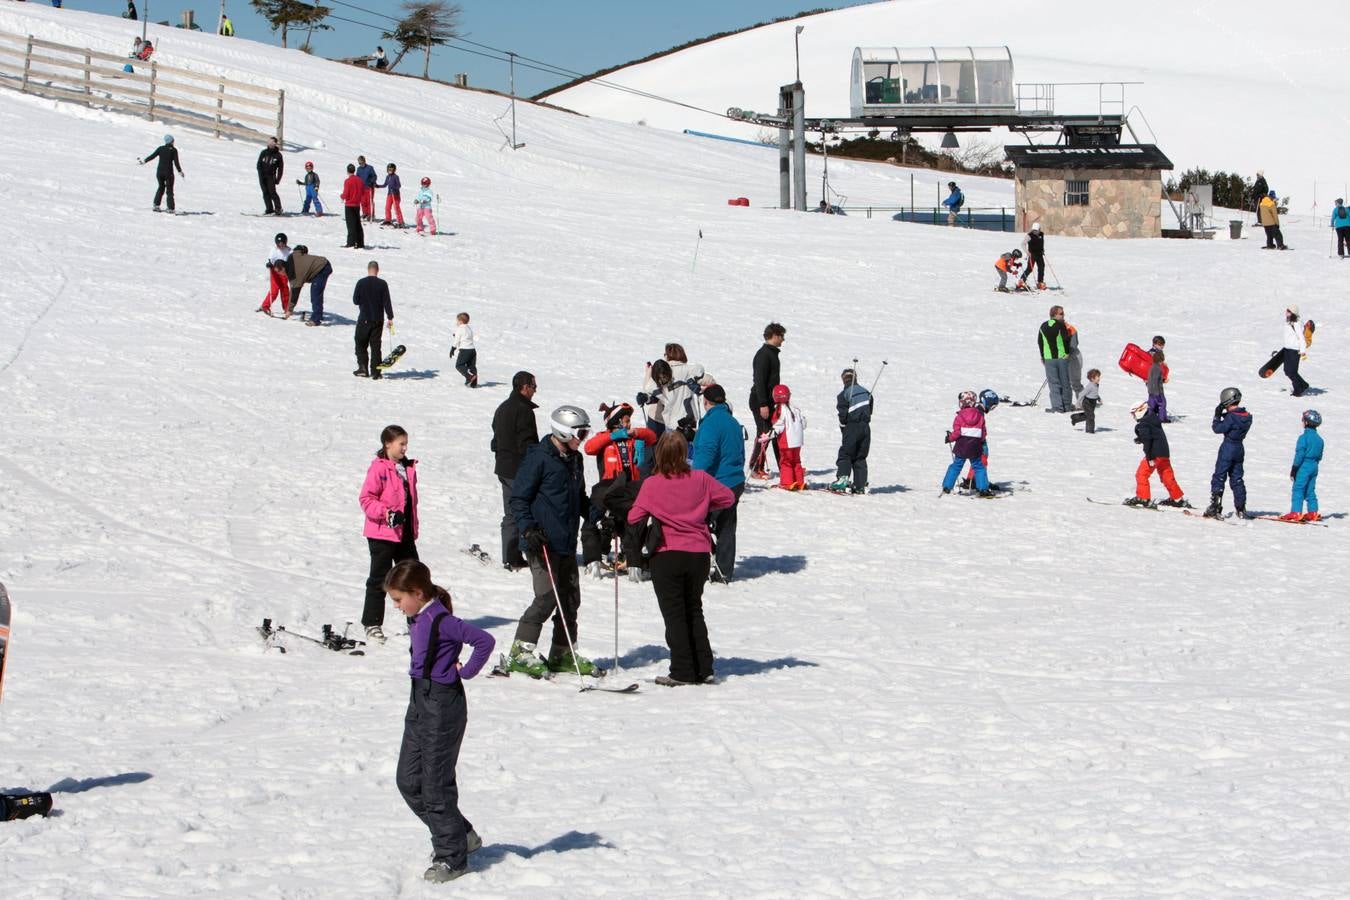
x,y
854,404
1340,217
955,200
392,183
719,446
1308,449
549,490
1234,427
367,175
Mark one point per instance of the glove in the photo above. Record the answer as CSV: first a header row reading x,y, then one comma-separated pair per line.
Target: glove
x,y
642,398
693,385
619,434
946,437
1293,472
394,517
764,438
1218,411
535,539
452,352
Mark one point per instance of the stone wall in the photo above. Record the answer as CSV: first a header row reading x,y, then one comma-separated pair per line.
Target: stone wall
x,y
1122,203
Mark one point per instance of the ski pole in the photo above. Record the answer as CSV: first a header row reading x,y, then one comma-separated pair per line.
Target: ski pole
x,y
567,632
618,548
884,363
1054,275
696,243
1036,399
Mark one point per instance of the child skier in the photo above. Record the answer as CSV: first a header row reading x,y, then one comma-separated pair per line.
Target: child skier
x,y
855,405
1307,457
389,501
425,198
433,728
986,402
311,185
1157,400
621,455
1005,265
467,366
967,437
1233,422
1092,398
1148,431
393,187
279,279
789,429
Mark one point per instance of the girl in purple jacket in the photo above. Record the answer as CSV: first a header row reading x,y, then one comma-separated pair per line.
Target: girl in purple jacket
x,y
389,501
433,728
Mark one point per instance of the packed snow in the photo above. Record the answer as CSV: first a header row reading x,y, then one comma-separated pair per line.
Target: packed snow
x,y
920,696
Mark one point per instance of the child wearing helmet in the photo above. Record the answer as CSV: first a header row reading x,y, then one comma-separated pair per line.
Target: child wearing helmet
x,y
788,428
393,187
1007,264
620,453
1303,473
1233,422
423,201
1148,432
987,400
311,186
967,437
854,405
278,276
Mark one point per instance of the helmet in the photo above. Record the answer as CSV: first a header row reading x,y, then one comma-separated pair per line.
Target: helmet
x,y
569,422
1017,254
1230,396
426,182
967,399
614,414
781,393
1312,418
989,398
280,238
168,139
1139,411
1036,226
308,164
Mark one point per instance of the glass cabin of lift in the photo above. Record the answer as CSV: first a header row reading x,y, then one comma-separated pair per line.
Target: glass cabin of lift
x,y
888,81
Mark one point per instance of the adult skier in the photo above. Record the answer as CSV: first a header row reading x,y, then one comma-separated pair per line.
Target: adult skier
x,y
1294,343
352,192
1259,191
1340,222
1035,250
167,154
955,200
1053,340
513,433
854,405
1233,422
371,295
719,450
764,380
314,271
270,167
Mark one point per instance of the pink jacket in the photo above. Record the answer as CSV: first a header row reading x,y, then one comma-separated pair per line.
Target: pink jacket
x,y
382,492
681,505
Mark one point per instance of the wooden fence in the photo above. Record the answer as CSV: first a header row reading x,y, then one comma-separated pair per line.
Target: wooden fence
x,y
168,93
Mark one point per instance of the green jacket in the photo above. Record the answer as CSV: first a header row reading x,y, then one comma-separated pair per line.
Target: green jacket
x,y
1053,339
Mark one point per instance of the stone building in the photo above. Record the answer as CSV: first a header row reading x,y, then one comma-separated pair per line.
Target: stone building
x,y
1112,192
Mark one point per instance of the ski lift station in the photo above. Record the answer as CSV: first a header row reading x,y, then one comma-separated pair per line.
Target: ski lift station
x,y
888,81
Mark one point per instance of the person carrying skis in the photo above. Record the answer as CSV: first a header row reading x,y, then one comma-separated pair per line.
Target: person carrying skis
x,y
1035,250
467,366
279,277
352,192
314,271
1269,215
270,166
788,429
311,185
1294,344
765,379
1148,432
389,502
1303,473
1053,342
1006,265
719,450
955,200
514,432
1340,222
620,453
967,438
854,405
167,154
548,500
1233,422
366,173
371,296
392,186
433,727
424,200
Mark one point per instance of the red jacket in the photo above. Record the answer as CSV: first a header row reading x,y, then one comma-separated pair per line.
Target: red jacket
x,y
611,463
352,191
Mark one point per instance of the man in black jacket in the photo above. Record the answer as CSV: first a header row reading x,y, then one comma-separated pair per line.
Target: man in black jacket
x,y
1259,191
270,166
765,379
167,154
513,432
371,295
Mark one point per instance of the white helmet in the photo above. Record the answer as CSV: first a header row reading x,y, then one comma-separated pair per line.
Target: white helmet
x,y
1036,226
568,422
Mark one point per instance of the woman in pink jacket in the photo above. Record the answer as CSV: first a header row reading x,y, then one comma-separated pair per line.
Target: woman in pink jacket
x,y
680,499
389,500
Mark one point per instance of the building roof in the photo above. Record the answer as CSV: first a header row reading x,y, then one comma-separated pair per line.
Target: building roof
x,y
1125,156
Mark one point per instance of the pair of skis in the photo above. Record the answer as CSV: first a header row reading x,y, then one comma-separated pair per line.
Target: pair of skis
x,y
330,639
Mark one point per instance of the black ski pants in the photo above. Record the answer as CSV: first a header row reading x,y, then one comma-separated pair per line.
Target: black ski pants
x,y
165,189
368,345
1342,241
383,556
467,366
1088,416
1296,382
356,233
724,534
510,534
433,731
1037,262
1274,237
544,607
271,201
857,441
678,577
761,426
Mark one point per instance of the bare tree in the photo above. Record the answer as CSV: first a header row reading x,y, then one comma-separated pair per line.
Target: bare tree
x,y
425,24
283,15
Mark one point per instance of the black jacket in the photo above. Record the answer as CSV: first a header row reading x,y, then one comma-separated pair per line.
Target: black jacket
x,y
168,160
765,376
1149,432
270,164
513,433
549,490
372,296
1259,188
1035,243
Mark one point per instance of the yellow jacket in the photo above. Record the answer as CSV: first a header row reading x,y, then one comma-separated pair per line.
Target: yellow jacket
x,y
1267,214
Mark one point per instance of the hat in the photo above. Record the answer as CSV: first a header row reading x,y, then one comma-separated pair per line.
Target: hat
x,y
1035,226
848,375
280,238
951,184
168,139
614,414
1271,195
1292,308
715,393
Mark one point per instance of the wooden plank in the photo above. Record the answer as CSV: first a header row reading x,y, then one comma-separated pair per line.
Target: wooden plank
x,y
97,54
167,85
162,113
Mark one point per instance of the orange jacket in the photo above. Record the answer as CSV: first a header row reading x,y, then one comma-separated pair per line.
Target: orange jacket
x,y
611,460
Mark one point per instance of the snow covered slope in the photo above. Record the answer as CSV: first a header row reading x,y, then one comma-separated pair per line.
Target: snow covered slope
x,y
1225,85
921,697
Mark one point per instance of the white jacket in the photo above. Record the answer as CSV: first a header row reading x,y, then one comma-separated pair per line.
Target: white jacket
x,y
463,337
793,424
1293,336
677,399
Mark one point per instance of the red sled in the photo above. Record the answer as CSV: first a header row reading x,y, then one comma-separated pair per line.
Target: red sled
x,y
1137,361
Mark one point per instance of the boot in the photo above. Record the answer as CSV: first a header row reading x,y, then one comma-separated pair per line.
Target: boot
x,y
840,485
523,658
566,661
1215,510
1138,501
1241,512
1179,503
441,872
1312,516
1292,517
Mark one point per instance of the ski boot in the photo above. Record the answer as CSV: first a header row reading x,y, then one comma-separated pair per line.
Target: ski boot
x,y
595,570
1292,517
440,872
1040,285
566,661
840,485
1215,509
1179,503
1313,516
988,494
1139,501
523,659
375,634
1003,290
1240,512
859,489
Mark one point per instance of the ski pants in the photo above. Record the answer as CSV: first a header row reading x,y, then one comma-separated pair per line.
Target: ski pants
x,y
1163,465
433,731
567,579
277,286
1305,487
165,189
1158,403
852,461
678,577
393,204
1228,467
1076,373
510,534
271,200
467,365
790,469
1036,261
312,196
976,466
1342,240
1088,416
368,350
1274,237
368,202
383,556
1296,382
425,213
356,235
723,526
1002,277
316,289
1057,375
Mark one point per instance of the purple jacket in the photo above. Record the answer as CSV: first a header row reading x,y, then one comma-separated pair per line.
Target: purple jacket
x,y
392,184
449,640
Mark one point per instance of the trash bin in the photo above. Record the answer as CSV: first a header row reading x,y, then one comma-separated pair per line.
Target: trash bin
x,y
1235,229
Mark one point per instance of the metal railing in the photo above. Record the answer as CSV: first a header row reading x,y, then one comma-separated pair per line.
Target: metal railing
x,y
987,218
1034,97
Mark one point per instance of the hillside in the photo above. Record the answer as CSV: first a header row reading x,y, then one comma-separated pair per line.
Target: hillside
x,y
920,696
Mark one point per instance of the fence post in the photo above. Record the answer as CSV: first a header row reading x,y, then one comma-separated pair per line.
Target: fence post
x,y
153,76
220,104
27,65
281,118
88,60
869,212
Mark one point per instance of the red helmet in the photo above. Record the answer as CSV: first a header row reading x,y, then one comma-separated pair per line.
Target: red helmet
x,y
426,182
308,164
781,394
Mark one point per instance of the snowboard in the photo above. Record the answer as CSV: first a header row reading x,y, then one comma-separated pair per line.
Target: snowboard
x,y
394,356
1276,360
21,806
6,638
